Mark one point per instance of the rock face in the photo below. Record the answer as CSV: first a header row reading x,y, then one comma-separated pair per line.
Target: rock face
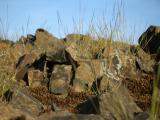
x,y
150,40
67,116
23,65
123,106
144,61
7,112
60,79
19,98
84,77
87,73
119,65
47,41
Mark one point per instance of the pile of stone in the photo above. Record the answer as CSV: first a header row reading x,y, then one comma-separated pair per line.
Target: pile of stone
x,y
116,85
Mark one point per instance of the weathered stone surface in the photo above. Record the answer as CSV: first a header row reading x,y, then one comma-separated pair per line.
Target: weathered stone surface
x,y
22,100
141,116
149,41
23,65
31,38
55,56
117,104
7,112
60,79
72,50
120,64
68,116
90,106
35,78
19,51
144,61
88,72
46,41
84,77
80,47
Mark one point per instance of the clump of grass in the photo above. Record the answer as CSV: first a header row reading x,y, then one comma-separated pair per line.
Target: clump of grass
x,y
6,69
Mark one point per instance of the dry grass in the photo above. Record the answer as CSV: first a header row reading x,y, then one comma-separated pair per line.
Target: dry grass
x,y
6,67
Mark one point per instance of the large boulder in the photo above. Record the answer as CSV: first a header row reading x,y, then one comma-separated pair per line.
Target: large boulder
x,y
118,105
149,41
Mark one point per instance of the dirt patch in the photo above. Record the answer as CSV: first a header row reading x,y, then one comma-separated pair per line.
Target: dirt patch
x,y
68,103
141,90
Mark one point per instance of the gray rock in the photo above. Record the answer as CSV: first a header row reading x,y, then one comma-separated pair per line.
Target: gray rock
x,y
142,116
31,38
144,61
68,116
87,73
56,56
23,65
21,99
117,104
120,64
46,41
60,79
7,112
84,77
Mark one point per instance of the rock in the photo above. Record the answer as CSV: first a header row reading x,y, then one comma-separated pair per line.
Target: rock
x,y
36,78
7,112
149,41
23,65
80,47
117,104
19,51
57,57
68,116
98,66
21,99
142,116
144,61
60,79
90,106
31,38
120,64
84,77
46,41
72,50
87,73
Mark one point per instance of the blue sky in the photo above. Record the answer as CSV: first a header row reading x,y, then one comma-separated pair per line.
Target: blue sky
x,y
20,17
